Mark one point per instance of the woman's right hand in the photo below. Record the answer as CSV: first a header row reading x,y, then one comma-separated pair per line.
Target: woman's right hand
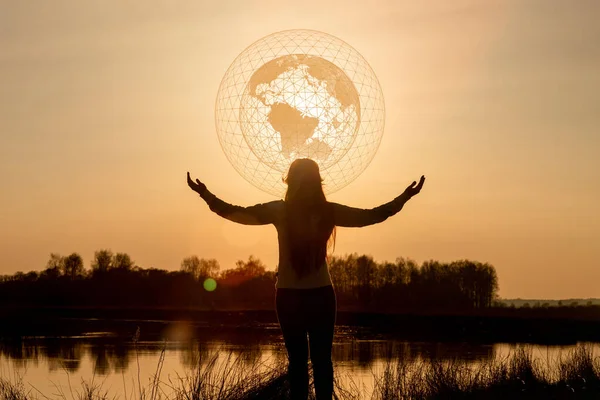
x,y
197,186
414,188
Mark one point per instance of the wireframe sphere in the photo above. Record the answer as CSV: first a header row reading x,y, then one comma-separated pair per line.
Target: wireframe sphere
x,y
299,94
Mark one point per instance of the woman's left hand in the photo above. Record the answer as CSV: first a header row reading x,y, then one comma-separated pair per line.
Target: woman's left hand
x,y
197,186
414,188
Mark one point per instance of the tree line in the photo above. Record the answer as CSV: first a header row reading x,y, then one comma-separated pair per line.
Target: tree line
x,y
361,283
403,285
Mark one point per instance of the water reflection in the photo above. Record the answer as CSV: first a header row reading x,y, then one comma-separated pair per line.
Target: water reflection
x,y
365,352
126,361
112,354
48,363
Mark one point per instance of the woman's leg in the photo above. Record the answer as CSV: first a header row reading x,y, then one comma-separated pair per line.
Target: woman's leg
x,y
320,332
292,321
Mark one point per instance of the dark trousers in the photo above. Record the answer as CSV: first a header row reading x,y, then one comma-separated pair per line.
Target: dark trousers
x,y
302,313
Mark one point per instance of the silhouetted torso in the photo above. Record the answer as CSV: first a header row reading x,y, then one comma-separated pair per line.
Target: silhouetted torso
x,y
274,213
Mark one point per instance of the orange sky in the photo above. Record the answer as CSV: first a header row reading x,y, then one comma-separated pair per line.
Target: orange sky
x,y
104,105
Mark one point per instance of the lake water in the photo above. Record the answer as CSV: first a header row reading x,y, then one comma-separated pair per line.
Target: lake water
x,y
56,365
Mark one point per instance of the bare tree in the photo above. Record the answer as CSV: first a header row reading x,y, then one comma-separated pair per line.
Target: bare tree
x,y
191,265
103,260
200,268
73,266
209,267
244,271
54,266
122,261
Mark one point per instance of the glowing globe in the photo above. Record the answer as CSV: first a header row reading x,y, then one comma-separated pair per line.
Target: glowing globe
x,y
299,94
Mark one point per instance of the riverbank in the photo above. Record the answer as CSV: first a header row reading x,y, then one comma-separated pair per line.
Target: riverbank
x,y
557,326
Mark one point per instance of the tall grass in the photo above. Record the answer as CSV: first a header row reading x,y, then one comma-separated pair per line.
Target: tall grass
x,y
229,376
13,389
519,376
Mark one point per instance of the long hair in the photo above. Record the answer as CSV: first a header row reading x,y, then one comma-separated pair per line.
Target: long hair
x,y
310,223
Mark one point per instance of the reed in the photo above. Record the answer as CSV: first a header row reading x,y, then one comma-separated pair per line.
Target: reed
x,y
519,376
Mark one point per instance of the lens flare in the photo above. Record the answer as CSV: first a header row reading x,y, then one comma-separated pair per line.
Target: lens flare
x,y
210,284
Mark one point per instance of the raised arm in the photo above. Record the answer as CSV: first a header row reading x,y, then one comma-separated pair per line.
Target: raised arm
x,y
259,214
357,217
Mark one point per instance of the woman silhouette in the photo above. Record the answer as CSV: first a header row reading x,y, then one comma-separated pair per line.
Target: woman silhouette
x,y
305,300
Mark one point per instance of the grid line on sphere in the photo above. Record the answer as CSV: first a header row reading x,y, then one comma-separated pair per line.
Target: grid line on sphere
x,y
365,140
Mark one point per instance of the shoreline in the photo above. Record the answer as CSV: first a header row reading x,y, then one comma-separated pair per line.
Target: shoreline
x,y
484,326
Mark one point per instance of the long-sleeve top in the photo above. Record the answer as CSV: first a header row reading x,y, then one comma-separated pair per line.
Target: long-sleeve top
x,y
274,213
